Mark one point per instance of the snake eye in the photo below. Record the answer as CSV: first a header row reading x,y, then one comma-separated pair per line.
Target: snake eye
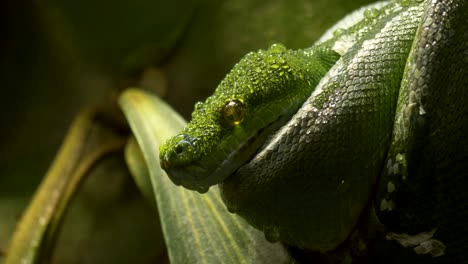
x,y
234,112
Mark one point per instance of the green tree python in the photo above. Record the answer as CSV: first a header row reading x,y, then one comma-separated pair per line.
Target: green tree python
x,y
361,137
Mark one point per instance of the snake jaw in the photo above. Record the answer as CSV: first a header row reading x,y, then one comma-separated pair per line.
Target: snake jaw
x,y
200,178
178,176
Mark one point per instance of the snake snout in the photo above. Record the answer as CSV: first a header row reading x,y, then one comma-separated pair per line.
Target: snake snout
x,y
179,154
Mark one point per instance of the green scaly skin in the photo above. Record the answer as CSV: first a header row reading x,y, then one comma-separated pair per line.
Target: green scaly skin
x,y
383,130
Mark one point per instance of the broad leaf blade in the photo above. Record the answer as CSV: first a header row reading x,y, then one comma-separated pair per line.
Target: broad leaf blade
x,y
197,227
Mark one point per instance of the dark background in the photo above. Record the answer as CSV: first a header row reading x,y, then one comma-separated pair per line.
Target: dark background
x,y
60,56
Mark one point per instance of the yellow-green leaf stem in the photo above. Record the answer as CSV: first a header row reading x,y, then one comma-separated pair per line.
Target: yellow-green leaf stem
x,y
36,231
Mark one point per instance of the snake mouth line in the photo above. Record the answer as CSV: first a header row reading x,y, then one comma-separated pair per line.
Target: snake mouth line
x,y
248,150
198,177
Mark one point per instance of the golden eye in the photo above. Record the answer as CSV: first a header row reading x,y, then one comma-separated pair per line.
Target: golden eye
x,y
234,112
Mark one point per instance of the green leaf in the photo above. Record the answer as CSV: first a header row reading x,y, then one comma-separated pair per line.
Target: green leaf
x,y
197,227
139,170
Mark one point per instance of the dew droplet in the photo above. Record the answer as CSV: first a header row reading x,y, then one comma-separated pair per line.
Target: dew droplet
x,y
338,32
272,234
198,105
277,48
272,58
404,2
371,13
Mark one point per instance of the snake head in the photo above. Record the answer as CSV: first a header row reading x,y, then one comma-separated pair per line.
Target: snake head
x,y
260,92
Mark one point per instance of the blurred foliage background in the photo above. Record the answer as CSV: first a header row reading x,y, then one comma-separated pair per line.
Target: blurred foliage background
x,y
60,56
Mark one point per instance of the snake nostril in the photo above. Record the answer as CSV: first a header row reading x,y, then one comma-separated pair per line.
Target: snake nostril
x,y
179,149
183,147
